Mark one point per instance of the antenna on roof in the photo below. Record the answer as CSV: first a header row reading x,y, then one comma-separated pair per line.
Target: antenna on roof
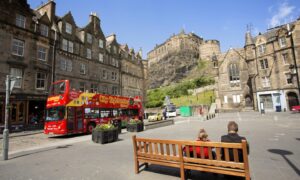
x,y
249,27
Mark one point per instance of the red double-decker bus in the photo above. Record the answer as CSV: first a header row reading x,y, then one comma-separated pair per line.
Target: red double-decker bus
x,y
70,111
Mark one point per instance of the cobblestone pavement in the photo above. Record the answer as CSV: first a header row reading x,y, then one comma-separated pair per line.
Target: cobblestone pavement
x,y
274,151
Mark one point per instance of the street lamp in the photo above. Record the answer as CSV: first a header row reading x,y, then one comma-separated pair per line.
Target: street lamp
x,y
9,88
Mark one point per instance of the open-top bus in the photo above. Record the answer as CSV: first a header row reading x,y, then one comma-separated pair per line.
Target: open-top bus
x,y
71,111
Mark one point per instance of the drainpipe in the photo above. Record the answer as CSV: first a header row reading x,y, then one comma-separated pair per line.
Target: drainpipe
x,y
54,58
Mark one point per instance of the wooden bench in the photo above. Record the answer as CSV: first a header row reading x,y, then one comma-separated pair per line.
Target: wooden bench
x,y
170,153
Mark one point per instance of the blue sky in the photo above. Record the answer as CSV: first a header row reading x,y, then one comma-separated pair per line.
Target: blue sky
x,y
145,23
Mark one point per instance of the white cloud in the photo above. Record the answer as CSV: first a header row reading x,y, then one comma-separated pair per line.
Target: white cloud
x,y
283,13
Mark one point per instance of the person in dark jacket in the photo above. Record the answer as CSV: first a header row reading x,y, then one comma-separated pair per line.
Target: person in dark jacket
x,y
233,137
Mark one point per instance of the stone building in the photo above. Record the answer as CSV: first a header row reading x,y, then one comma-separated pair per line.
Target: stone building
x,y
26,47
177,56
132,72
41,47
264,74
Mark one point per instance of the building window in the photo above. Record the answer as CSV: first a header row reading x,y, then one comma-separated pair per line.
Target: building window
x,y
101,57
225,99
18,47
104,74
288,78
20,20
265,81
264,64
69,66
67,45
262,48
40,80
117,63
88,53
82,69
63,64
15,72
282,42
94,88
236,98
44,30
113,76
104,89
115,49
234,74
113,61
285,58
70,49
82,86
100,43
89,38
42,53
68,28
114,90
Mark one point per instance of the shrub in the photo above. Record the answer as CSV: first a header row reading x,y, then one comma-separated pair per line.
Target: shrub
x,y
134,121
104,127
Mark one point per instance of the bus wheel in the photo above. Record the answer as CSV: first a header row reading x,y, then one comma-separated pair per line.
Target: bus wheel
x,y
90,128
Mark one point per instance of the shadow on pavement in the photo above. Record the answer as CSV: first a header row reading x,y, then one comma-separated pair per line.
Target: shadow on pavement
x,y
67,136
298,139
285,153
169,171
22,154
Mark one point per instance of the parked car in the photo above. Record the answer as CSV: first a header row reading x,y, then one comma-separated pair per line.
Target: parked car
x,y
296,108
155,117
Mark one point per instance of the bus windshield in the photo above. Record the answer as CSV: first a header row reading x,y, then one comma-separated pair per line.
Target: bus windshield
x,y
57,88
55,113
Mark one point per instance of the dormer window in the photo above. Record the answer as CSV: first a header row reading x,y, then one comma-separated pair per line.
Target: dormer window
x,y
20,20
282,42
68,28
262,48
89,38
115,49
100,43
44,30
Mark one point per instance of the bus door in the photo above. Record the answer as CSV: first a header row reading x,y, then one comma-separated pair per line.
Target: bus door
x,y
71,119
79,119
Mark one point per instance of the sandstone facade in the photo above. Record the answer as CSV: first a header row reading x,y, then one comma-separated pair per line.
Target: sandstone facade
x,y
263,74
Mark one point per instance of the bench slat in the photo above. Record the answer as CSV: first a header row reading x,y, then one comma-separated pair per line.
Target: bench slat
x,y
213,169
187,151
160,162
158,156
194,152
161,148
156,148
168,149
174,149
150,148
202,152
218,154
235,155
210,156
140,146
214,162
193,143
226,152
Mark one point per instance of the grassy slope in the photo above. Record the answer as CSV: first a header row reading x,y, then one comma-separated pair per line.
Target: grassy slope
x,y
201,98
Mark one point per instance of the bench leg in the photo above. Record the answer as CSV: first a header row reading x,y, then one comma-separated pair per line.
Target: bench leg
x,y
137,167
182,173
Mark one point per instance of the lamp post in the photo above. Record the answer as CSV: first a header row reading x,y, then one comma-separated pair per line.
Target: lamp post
x,y
9,87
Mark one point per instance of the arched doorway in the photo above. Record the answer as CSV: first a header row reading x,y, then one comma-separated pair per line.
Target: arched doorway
x,y
248,101
292,99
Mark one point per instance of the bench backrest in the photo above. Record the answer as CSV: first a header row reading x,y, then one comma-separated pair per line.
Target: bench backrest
x,y
219,154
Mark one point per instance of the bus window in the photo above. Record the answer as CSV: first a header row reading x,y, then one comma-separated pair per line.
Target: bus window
x,y
133,112
115,113
124,112
91,113
55,113
105,113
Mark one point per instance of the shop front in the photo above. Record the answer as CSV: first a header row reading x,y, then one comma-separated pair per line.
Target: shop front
x,y
271,101
25,110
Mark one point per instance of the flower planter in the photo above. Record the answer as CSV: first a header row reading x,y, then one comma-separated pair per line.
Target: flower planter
x,y
105,136
138,127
